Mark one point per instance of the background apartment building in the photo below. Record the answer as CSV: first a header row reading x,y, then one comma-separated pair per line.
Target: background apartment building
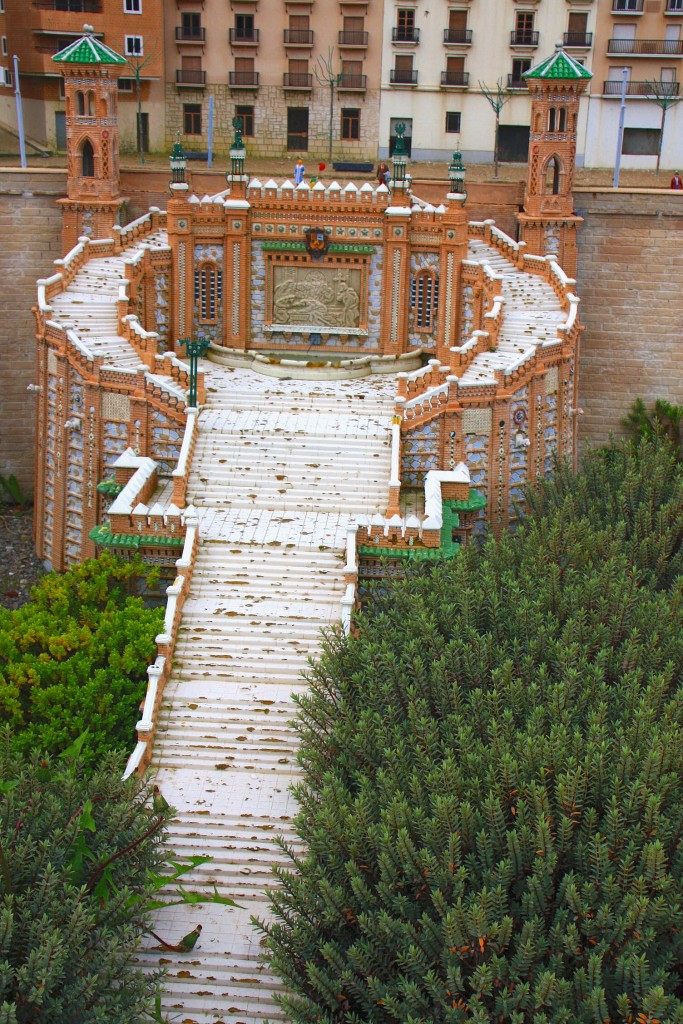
x,y
35,30
437,55
420,62
258,60
643,36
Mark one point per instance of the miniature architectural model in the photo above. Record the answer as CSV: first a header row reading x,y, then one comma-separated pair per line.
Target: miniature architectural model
x,y
380,376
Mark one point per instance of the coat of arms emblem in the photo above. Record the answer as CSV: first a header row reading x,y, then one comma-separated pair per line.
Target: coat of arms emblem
x,y
317,242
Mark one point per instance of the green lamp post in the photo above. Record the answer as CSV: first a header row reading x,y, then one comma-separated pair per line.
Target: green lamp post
x,y
178,162
194,347
400,158
238,151
456,174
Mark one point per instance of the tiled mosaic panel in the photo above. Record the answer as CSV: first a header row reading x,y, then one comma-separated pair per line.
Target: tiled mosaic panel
x,y
114,441
476,460
519,454
75,445
550,433
420,453
167,439
162,311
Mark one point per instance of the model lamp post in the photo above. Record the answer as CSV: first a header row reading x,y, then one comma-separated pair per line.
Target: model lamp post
x,y
400,158
178,163
456,173
238,151
194,348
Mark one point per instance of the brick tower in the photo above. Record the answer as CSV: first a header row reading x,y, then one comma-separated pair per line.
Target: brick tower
x,y
548,223
92,138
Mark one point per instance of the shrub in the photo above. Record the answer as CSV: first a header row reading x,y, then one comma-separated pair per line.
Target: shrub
x,y
75,852
75,657
491,800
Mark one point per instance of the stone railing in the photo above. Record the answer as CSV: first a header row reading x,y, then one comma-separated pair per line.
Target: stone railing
x,y
181,474
348,601
159,672
146,225
396,531
129,513
304,193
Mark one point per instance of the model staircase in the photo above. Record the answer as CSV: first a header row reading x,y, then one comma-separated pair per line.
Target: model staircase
x,y
280,471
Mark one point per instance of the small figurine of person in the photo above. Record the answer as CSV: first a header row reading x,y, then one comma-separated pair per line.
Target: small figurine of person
x,y
676,182
299,171
382,174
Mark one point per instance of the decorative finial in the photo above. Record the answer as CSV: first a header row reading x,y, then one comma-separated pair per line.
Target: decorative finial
x,y
238,125
88,30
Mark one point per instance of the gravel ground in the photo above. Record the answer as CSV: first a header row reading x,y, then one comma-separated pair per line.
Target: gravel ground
x,y
20,567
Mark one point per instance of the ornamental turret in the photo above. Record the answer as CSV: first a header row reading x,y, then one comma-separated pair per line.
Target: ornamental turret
x,y
92,138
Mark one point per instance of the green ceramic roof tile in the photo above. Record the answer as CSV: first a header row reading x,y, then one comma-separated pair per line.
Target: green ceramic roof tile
x,y
558,65
88,50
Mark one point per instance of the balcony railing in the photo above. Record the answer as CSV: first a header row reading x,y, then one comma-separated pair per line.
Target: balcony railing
x,y
185,76
525,38
516,82
578,39
455,78
627,6
457,36
184,34
640,88
298,37
297,80
645,47
405,35
353,38
353,83
77,6
243,79
401,76
238,35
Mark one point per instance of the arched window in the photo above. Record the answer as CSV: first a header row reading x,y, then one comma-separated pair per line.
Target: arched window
x,y
208,291
424,299
87,160
552,176
551,119
80,104
90,105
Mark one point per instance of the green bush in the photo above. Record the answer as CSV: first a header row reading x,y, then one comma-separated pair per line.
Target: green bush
x,y
491,802
75,852
75,657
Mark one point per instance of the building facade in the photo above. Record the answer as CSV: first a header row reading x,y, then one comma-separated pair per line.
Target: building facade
x,y
38,29
304,76
642,40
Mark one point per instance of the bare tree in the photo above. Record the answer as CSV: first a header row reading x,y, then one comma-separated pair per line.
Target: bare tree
x,y
325,75
497,97
137,62
662,93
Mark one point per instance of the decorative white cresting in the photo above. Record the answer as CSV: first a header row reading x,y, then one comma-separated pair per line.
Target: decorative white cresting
x,y
449,298
395,290
181,298
236,250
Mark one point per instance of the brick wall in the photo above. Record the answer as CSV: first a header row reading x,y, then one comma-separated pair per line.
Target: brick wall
x,y
630,281
30,229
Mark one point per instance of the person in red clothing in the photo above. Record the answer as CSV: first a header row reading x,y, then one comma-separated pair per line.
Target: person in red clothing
x,y
676,182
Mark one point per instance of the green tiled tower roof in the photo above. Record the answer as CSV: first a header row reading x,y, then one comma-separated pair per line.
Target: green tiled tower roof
x,y
88,50
558,65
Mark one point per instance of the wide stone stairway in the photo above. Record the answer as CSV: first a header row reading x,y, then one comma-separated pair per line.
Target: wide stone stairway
x,y
280,471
